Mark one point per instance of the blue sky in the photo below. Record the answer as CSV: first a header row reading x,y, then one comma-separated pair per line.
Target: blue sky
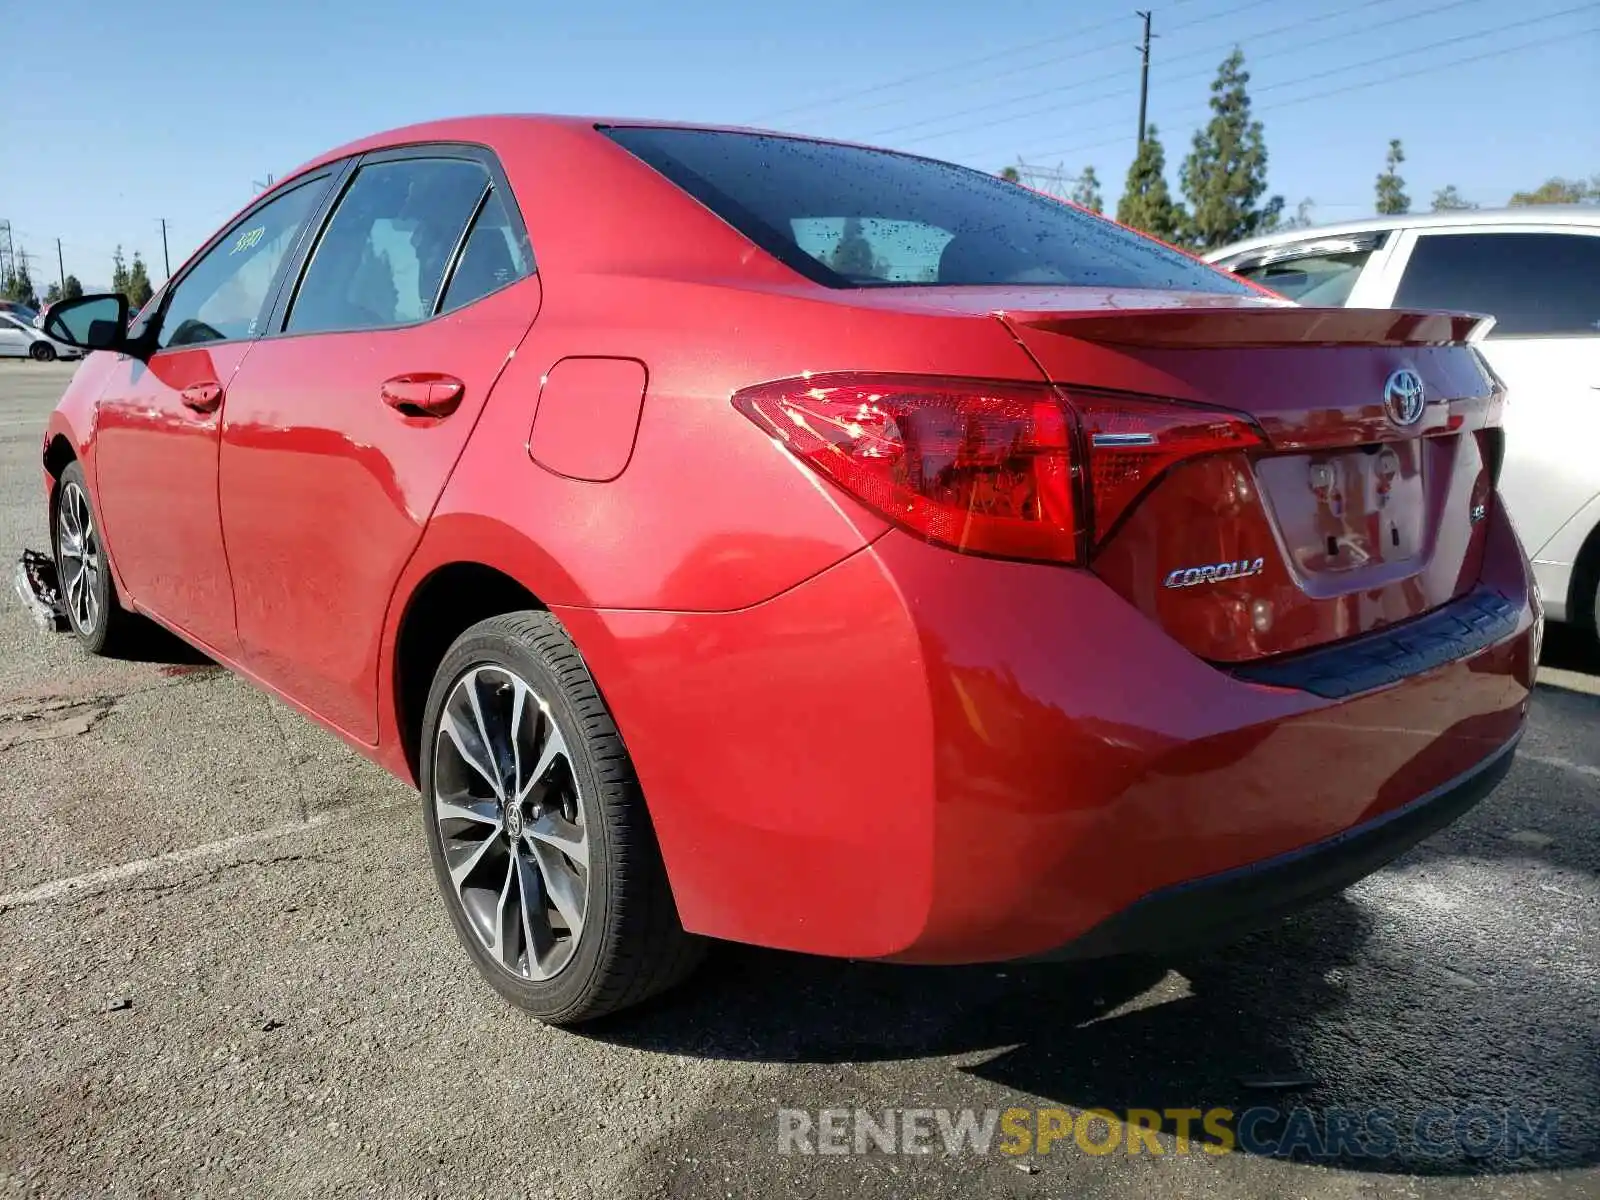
x,y
172,108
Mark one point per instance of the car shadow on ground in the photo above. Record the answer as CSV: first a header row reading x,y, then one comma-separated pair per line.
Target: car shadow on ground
x,y
1571,649
1346,1012
150,643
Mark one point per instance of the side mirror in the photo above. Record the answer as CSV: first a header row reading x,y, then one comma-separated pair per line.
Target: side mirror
x,y
90,322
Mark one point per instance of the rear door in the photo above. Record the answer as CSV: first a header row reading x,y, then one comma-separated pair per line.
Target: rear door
x,y
1542,285
347,419
14,338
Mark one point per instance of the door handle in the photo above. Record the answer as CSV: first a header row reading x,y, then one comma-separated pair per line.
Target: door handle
x,y
202,397
423,394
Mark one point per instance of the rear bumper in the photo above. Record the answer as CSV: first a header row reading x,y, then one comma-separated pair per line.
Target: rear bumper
x,y
930,757
1223,906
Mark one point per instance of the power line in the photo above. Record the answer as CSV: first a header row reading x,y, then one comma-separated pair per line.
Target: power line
x,y
1054,60
1421,70
937,72
1078,84
1299,47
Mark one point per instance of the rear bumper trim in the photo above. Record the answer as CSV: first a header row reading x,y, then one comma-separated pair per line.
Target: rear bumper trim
x,y
1462,627
1220,907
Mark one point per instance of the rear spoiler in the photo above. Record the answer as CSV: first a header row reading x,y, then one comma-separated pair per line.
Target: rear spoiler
x,y
1289,325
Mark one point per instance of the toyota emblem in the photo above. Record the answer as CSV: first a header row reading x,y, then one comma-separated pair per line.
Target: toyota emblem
x,y
1403,397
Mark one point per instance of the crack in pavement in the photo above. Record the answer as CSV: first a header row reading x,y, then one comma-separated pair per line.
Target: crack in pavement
x,y
60,718
25,719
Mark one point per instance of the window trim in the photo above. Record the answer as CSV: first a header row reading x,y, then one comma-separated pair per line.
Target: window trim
x,y
1313,247
1405,245
150,326
307,249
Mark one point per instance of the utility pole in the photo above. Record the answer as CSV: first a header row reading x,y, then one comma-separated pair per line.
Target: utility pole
x,y
9,267
61,266
1144,71
166,259
262,187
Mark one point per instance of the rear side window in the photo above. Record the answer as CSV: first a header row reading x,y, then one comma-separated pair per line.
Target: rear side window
x,y
496,254
846,216
383,256
1534,284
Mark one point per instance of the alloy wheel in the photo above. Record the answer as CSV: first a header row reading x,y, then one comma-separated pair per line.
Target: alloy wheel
x,y
511,821
81,561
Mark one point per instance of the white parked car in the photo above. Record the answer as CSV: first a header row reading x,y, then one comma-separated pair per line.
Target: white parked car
x,y
1537,271
18,339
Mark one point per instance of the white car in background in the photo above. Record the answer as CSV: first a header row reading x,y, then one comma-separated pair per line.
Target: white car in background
x,y
1537,271
18,339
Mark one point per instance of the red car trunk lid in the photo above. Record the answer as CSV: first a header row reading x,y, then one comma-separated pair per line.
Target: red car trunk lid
x,y
1363,507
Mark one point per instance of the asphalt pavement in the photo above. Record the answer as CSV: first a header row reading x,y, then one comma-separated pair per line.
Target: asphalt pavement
x,y
225,971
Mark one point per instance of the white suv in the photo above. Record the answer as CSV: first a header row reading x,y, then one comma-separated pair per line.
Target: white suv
x,y
1537,271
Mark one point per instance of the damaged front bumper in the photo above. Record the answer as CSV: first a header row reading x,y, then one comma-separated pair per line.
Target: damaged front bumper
x,y
39,589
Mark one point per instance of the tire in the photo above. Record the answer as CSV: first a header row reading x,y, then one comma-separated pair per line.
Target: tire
x,y
1583,608
519,680
1593,624
101,624
42,352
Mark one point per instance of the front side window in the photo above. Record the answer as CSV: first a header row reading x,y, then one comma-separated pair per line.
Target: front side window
x,y
226,293
847,216
1533,284
384,254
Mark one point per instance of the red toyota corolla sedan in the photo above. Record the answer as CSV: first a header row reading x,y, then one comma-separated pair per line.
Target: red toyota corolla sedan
x,y
744,536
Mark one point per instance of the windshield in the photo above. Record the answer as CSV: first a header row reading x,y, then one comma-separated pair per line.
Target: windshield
x,y
847,216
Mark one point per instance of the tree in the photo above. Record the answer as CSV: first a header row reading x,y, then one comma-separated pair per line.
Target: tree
x,y
139,289
1011,174
1225,174
71,289
1302,215
18,286
1087,191
1146,203
852,257
1560,191
52,294
1447,199
1391,188
119,274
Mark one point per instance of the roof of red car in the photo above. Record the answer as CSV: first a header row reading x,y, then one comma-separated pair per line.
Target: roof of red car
x,y
485,127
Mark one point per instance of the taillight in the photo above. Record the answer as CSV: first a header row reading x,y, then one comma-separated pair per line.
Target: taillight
x,y
1133,442
988,468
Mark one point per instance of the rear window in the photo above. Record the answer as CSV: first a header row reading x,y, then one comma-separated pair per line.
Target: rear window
x,y
846,216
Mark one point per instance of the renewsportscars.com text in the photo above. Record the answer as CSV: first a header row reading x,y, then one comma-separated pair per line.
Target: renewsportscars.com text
x,y
1316,1134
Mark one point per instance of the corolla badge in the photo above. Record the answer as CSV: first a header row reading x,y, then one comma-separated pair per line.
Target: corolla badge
x,y
1185,577
1403,397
